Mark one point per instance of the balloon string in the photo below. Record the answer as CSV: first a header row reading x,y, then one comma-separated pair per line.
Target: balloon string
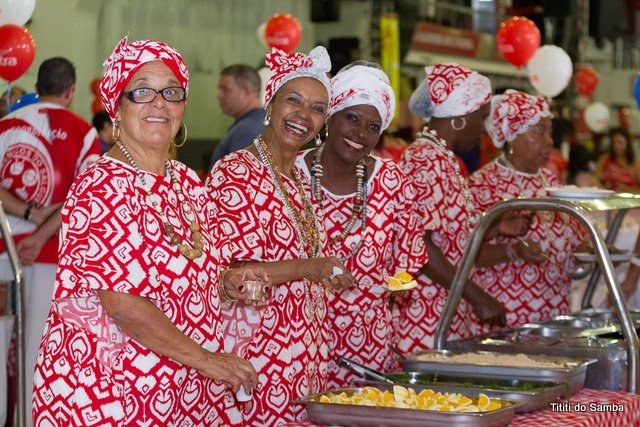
x,y
8,96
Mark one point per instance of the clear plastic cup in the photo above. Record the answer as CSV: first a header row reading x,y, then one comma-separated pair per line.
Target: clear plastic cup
x,y
254,290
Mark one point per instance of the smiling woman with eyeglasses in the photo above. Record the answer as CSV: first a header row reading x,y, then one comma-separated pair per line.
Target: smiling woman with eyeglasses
x,y
134,334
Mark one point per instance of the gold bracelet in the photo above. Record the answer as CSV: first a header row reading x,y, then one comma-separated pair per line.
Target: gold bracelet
x,y
224,296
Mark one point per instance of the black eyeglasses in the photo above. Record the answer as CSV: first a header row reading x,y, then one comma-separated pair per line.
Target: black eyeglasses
x,y
145,95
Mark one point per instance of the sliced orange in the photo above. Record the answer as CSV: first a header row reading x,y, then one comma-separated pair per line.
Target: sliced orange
x,y
426,393
325,399
395,284
400,391
493,406
483,401
404,276
388,397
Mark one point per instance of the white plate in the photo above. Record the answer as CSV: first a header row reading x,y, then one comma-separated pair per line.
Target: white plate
x,y
615,257
578,193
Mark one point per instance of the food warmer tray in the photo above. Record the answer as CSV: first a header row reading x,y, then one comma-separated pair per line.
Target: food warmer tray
x,y
348,415
533,400
573,375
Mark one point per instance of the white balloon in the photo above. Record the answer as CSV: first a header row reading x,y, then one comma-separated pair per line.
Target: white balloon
x,y
550,70
16,12
265,74
597,116
260,35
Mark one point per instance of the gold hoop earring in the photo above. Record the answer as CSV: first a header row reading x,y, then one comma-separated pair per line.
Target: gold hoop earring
x,y
185,137
115,137
464,123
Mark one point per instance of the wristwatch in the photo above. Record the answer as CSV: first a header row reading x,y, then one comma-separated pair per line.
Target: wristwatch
x,y
27,212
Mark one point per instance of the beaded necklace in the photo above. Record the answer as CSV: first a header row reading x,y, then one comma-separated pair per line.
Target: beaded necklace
x,y
168,229
433,136
306,227
360,204
545,183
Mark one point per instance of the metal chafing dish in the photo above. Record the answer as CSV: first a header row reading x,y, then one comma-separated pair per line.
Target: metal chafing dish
x,y
536,395
586,334
568,371
350,415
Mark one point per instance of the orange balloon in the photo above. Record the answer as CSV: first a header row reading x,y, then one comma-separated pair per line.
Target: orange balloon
x,y
96,105
95,86
587,81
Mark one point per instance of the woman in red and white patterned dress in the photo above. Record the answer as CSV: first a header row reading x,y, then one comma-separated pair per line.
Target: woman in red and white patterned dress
x,y
515,270
266,216
134,333
454,100
368,210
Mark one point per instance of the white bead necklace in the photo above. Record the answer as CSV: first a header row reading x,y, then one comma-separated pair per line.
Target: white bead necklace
x,y
433,136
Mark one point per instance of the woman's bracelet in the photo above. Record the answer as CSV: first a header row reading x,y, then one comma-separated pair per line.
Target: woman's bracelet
x,y
224,296
511,250
635,261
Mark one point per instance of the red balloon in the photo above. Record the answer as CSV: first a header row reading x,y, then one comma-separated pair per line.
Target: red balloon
x,y
96,105
17,50
283,31
587,81
95,86
518,39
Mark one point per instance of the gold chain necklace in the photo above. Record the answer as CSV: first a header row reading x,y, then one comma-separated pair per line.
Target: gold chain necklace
x,y
306,228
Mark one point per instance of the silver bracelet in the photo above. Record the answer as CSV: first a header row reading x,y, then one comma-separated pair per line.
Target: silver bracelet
x,y
635,261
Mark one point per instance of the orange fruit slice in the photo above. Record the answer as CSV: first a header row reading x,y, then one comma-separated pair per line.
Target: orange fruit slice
x,y
325,399
395,284
483,401
493,406
404,276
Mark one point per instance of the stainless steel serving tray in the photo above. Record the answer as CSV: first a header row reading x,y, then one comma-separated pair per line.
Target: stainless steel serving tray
x,y
537,400
574,375
365,416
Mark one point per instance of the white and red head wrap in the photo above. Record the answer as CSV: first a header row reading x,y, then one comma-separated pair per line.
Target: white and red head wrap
x,y
363,83
127,59
286,67
512,113
450,90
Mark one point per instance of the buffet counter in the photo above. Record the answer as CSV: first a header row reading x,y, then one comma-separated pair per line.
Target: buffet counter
x,y
588,408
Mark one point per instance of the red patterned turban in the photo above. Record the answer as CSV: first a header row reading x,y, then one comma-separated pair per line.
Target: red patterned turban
x,y
127,59
512,113
450,90
363,83
286,67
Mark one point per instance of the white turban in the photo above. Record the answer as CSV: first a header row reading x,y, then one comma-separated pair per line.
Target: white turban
x,y
363,83
450,90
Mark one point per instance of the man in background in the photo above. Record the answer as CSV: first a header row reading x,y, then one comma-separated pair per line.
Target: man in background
x,y
239,97
102,122
43,148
